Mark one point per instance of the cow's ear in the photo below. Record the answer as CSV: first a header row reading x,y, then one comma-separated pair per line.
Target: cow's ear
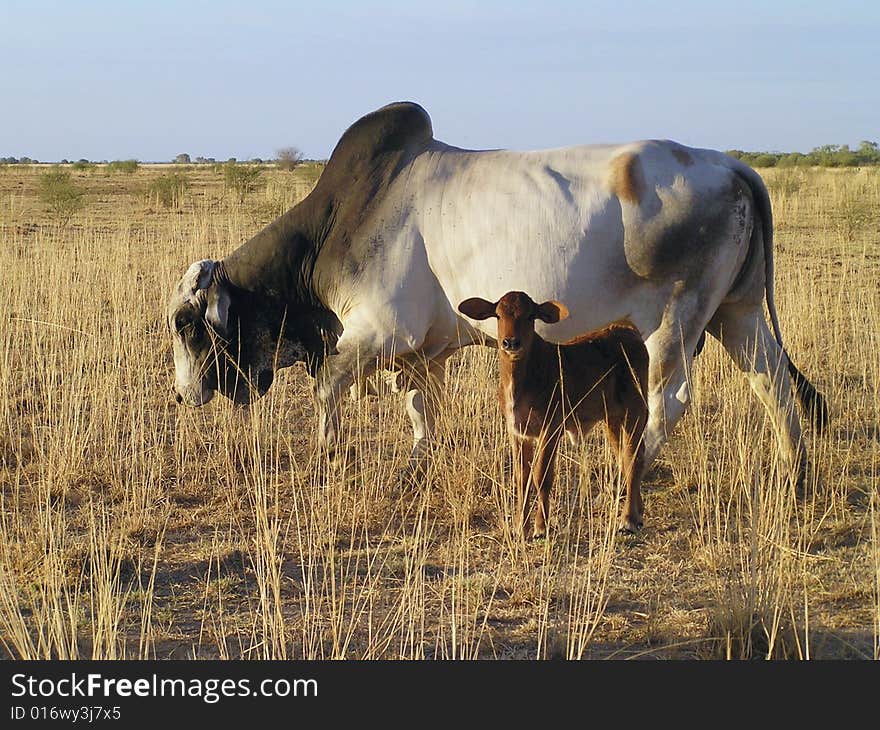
x,y
217,311
551,311
198,276
477,308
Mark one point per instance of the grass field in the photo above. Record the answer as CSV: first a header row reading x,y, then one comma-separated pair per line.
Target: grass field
x,y
133,528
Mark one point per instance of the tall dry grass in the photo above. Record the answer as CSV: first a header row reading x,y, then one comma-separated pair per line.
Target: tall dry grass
x,y
132,528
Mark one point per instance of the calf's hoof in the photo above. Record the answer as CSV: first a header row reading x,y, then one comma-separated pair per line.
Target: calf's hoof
x,y
630,524
533,533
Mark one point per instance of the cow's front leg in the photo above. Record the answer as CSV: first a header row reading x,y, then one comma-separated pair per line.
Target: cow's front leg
x,y
336,374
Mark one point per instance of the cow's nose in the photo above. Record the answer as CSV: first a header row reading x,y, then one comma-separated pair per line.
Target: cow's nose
x,y
510,343
177,397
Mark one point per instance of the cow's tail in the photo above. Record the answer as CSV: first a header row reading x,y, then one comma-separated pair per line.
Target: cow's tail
x,y
812,401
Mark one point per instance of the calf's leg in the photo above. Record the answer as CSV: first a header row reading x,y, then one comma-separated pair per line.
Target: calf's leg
x,y
523,453
543,468
626,433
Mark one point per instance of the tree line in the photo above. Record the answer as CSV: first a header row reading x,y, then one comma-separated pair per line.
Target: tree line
x,y
829,155
287,158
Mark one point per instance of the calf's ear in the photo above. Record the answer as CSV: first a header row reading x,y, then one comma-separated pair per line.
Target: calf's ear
x,y
551,311
477,308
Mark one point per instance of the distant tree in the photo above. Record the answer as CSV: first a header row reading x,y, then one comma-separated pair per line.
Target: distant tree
x,y
60,193
182,159
257,161
845,157
288,158
868,152
824,155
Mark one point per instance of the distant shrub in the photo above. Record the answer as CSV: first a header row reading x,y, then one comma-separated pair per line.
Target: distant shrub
x,y
126,166
182,159
793,159
241,180
61,194
288,158
168,189
764,160
787,181
82,166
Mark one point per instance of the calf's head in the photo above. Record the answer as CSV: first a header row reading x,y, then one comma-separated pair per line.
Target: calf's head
x,y
516,314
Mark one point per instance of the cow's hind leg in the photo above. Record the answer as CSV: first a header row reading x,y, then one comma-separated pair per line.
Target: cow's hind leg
x,y
671,351
744,334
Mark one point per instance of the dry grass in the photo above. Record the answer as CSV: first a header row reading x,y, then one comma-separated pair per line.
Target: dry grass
x,y
132,528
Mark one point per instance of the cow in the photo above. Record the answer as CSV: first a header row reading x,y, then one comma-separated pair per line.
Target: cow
x,y
364,273
546,389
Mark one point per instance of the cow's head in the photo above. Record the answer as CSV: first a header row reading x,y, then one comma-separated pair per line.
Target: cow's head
x,y
230,340
516,314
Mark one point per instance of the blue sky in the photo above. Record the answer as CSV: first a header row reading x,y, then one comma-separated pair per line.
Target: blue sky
x,y
149,80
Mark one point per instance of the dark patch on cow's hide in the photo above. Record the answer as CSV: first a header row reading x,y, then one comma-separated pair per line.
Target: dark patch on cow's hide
x,y
279,261
686,237
271,276
264,334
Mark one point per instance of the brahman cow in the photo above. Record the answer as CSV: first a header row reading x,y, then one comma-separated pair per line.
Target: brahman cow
x,y
365,272
546,389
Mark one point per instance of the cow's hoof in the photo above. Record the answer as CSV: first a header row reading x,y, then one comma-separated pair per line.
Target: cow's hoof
x,y
408,481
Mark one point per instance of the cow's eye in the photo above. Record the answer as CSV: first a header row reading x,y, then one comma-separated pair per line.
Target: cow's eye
x,y
181,321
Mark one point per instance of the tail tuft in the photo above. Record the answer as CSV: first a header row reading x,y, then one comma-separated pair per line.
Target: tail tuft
x,y
811,399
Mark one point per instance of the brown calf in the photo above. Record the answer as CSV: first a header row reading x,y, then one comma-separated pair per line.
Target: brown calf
x,y
545,389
